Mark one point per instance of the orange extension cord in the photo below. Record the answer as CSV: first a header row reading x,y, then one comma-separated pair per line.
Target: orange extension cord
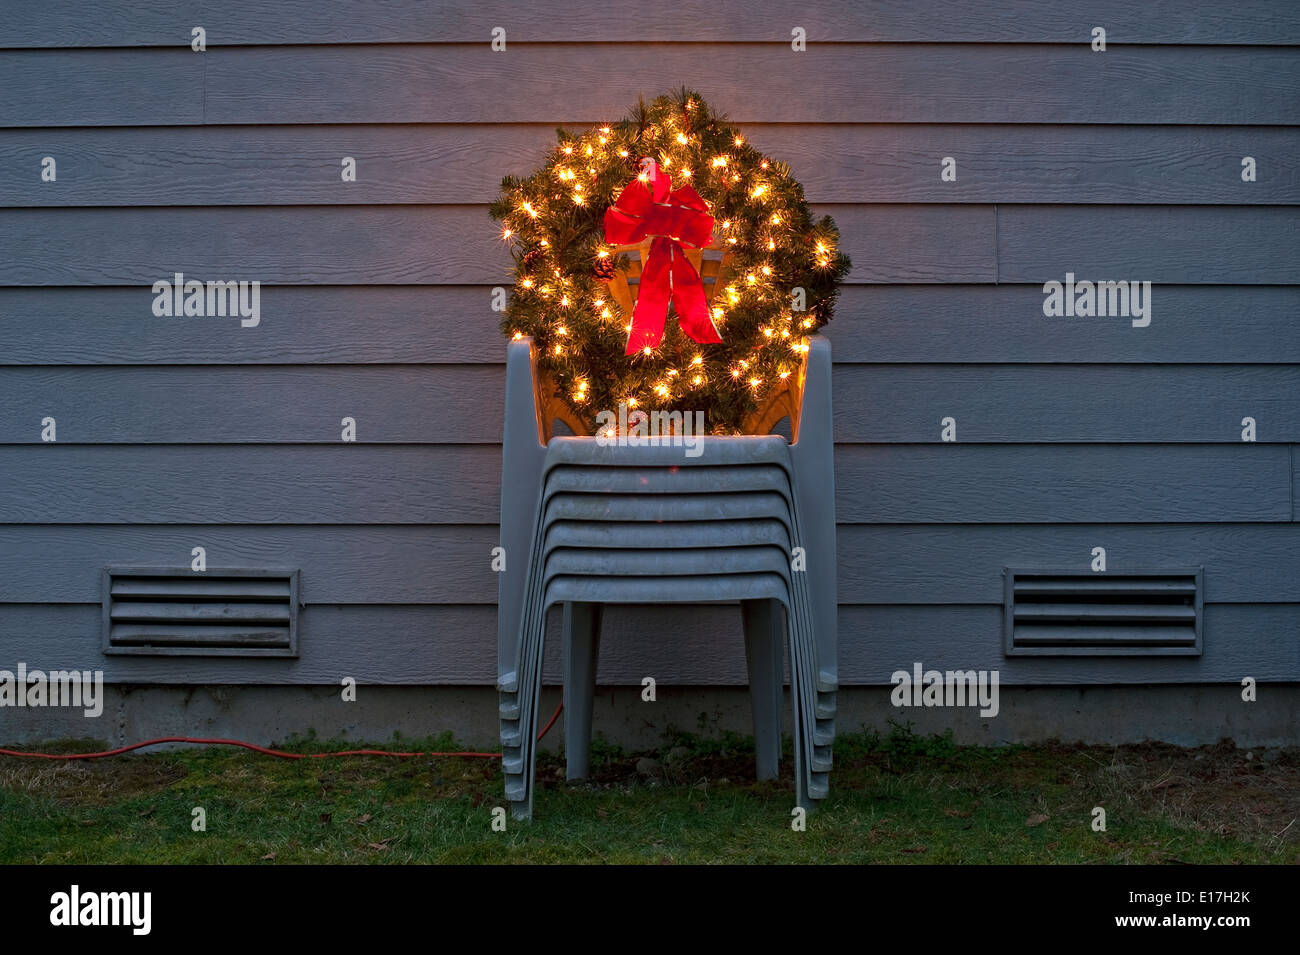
x,y
262,749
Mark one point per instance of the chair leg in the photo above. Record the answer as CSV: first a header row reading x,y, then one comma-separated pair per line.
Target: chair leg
x,y
581,652
764,632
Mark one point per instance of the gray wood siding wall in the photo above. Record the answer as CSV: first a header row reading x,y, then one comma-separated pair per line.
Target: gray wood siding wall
x,y
1074,433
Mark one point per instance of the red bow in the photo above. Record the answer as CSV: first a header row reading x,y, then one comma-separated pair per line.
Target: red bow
x,y
674,219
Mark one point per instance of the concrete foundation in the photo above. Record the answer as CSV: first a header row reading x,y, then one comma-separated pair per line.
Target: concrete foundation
x,y
1183,715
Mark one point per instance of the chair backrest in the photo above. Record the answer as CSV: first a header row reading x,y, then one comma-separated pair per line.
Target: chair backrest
x,y
714,263
784,401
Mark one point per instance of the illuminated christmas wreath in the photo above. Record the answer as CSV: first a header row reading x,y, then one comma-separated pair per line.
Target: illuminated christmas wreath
x,y
670,206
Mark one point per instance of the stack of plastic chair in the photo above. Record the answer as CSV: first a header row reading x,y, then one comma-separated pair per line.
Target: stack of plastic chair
x,y
586,523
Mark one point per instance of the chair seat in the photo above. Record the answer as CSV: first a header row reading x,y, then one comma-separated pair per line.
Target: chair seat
x,y
679,508
640,535
709,479
665,562
649,590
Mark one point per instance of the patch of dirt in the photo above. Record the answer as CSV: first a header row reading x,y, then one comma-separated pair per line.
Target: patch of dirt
x,y
93,782
1219,789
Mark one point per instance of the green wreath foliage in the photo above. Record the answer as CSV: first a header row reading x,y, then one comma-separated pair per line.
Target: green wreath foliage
x,y
781,260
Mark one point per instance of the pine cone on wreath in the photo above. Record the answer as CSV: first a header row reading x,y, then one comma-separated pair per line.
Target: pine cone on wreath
x,y
532,260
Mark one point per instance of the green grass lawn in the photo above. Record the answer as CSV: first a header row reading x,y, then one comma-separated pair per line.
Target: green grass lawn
x,y
898,798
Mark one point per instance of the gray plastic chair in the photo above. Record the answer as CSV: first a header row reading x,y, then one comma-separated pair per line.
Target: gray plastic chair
x,y
584,525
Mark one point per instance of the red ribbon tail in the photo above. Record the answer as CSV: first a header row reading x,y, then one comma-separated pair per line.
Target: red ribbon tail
x,y
652,296
688,298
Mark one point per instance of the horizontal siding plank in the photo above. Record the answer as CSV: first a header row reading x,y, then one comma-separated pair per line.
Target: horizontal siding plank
x,y
340,564
300,165
579,83
1295,488
878,564
456,645
979,484
461,404
386,645
301,325
887,403
1238,640
458,245
251,485
1005,324
260,165
937,83
168,22
460,484
101,87
331,245
960,564
456,325
1195,245
409,245
1067,403
443,404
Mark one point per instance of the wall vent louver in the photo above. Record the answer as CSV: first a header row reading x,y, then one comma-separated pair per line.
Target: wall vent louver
x,y
174,612
1108,613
